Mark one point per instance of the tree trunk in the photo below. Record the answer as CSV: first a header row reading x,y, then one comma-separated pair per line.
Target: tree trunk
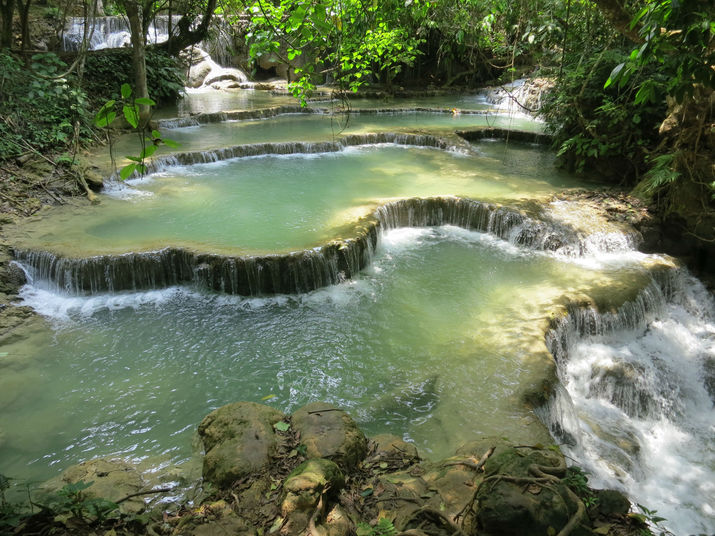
x,y
138,56
23,9
186,36
7,7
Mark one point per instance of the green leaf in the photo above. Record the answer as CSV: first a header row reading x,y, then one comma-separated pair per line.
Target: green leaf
x,y
155,134
126,91
147,152
171,143
127,171
133,158
131,114
281,426
145,101
615,73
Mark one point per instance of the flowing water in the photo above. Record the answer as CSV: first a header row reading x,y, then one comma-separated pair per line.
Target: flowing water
x,y
637,409
439,339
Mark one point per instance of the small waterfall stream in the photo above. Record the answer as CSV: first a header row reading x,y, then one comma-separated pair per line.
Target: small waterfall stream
x,y
636,407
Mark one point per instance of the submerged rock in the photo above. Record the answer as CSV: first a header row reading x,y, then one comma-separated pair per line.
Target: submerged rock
x,y
239,440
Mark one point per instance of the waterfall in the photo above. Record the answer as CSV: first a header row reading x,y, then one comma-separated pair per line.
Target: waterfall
x,y
112,32
265,113
295,272
520,97
637,407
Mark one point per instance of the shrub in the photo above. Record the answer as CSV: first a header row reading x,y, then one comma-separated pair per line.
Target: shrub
x,y
38,107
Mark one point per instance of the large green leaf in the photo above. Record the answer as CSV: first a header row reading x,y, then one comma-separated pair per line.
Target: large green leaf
x,y
131,114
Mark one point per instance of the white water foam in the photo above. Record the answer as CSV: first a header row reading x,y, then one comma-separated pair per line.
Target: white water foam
x,y
646,416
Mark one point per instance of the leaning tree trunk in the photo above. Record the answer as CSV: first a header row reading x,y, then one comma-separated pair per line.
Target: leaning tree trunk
x,y
138,56
7,7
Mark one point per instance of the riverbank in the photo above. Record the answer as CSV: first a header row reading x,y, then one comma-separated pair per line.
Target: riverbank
x,y
315,472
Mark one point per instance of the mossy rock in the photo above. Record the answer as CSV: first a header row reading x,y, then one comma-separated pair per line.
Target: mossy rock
x,y
304,488
111,479
328,432
240,441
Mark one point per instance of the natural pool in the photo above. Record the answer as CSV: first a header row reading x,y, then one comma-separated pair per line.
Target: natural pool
x,y
439,339
444,324
285,203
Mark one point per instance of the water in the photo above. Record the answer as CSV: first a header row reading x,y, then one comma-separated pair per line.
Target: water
x,y
301,201
314,128
439,340
642,406
112,32
431,334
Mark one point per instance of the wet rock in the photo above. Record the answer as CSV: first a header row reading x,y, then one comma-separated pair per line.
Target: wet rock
x,y
197,74
94,179
612,502
510,501
111,479
328,432
624,385
230,74
304,488
390,448
709,369
239,440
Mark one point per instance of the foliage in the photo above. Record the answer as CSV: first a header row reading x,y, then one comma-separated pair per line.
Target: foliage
x,y
594,128
39,107
678,38
10,514
108,70
648,517
129,105
350,41
383,527
72,500
577,480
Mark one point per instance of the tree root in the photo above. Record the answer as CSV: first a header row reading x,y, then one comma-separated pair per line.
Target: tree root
x,y
545,477
476,466
434,517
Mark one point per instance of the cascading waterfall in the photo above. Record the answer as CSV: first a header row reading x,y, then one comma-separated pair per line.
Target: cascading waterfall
x,y
112,32
286,148
290,273
636,409
265,113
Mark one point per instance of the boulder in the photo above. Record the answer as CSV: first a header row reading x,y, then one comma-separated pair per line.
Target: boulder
x,y
198,73
328,432
612,502
239,440
111,479
390,447
522,505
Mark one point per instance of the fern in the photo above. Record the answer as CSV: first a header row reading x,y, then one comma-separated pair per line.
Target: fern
x,y
661,174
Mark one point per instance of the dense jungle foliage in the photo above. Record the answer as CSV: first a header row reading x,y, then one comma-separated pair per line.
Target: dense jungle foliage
x,y
632,101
